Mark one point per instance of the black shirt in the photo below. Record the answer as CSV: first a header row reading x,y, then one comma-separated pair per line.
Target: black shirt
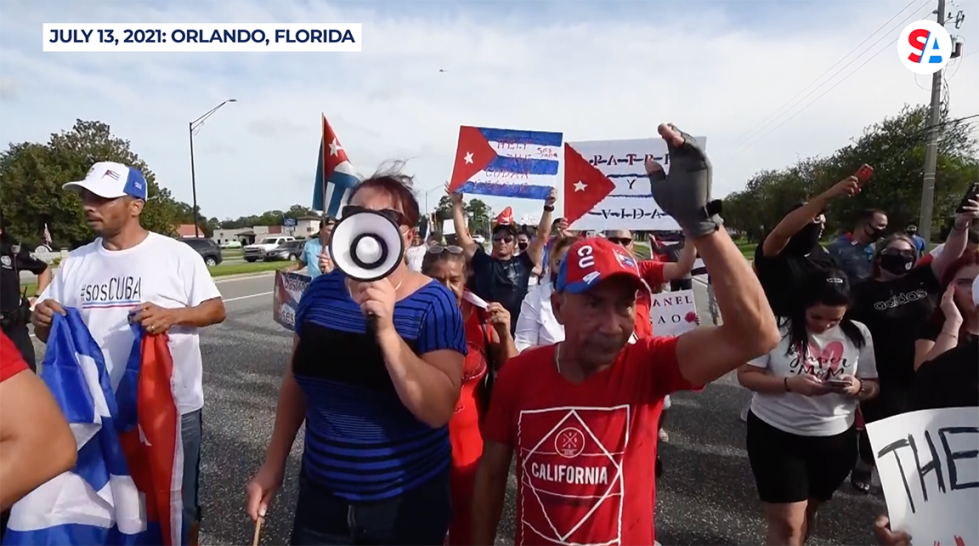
x,y
10,268
503,282
949,381
895,311
783,275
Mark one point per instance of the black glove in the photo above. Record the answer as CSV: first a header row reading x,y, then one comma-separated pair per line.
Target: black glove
x,y
684,194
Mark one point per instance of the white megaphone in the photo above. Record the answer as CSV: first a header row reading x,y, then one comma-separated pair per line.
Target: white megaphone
x,y
367,246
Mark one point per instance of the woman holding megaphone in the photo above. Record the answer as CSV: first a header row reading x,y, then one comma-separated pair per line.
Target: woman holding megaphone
x,y
375,374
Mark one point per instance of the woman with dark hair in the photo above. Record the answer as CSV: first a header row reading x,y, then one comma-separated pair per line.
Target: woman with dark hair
x,y
801,439
894,304
490,346
376,402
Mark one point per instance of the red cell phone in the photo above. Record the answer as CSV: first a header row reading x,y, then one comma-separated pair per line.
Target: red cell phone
x,y
864,173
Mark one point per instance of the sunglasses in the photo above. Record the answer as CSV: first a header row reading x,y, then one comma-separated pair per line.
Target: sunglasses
x,y
439,249
624,241
390,214
505,238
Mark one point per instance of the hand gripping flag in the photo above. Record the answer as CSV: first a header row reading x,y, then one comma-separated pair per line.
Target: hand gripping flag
x,y
335,176
126,486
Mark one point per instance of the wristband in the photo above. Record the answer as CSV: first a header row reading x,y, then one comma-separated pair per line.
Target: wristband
x,y
549,208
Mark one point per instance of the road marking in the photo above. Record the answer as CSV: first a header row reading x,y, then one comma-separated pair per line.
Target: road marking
x,y
228,300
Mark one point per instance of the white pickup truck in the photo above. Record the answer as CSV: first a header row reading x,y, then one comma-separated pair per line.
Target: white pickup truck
x,y
258,250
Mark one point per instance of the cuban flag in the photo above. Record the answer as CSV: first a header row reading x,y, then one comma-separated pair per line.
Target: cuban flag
x,y
126,486
335,176
506,162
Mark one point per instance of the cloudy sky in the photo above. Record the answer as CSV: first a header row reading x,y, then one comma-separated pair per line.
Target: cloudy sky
x,y
600,70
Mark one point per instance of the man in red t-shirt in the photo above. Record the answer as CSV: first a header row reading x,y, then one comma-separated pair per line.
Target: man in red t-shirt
x,y
35,441
581,415
654,272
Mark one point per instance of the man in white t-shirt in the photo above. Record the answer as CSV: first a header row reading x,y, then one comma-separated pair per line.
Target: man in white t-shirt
x,y
129,273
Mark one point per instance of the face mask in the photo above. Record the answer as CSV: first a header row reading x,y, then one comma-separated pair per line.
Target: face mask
x,y
896,264
874,233
523,246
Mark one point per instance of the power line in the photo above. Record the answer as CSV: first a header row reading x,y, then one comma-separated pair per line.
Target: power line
x,y
751,142
834,66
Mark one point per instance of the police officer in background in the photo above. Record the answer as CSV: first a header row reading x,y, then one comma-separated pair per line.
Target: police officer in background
x,y
15,308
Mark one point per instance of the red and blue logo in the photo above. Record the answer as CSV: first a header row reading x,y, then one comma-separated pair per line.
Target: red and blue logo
x,y
924,47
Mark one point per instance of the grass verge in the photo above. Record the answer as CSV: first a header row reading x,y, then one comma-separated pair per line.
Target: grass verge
x,y
221,270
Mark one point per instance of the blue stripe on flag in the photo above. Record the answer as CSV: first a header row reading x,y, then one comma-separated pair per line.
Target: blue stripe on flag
x,y
520,191
522,166
75,533
318,186
537,138
343,182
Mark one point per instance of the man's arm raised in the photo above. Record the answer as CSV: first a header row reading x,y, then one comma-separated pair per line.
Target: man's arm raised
x,y
708,353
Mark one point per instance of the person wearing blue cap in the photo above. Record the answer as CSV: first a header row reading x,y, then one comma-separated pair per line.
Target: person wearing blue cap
x,y
131,275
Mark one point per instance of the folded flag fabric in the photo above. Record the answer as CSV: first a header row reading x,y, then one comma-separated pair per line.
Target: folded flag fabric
x,y
126,486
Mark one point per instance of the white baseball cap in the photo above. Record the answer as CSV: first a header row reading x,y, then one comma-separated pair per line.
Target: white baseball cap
x,y
111,180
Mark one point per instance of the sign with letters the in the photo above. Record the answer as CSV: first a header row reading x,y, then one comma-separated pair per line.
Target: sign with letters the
x,y
673,313
289,287
929,469
630,205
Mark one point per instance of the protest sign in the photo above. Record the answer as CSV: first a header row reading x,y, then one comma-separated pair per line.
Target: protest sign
x,y
625,200
289,287
506,162
929,469
673,313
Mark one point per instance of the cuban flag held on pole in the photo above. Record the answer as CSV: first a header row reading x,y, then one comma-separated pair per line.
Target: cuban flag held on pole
x,y
335,176
506,162
126,486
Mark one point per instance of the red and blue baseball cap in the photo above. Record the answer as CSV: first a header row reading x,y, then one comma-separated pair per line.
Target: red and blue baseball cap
x,y
593,260
110,180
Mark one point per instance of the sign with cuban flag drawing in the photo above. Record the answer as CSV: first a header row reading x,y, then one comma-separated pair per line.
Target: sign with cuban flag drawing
x,y
335,176
506,162
605,185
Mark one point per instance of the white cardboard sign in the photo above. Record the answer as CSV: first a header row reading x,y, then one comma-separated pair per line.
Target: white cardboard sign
x,y
929,469
631,205
673,313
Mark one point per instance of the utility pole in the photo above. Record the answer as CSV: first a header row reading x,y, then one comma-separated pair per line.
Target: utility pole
x,y
931,151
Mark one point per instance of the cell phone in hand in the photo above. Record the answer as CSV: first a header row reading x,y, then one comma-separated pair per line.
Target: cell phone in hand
x,y
971,195
864,173
838,383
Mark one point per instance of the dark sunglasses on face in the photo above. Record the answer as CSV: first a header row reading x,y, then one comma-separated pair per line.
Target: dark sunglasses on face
x,y
504,238
438,249
624,241
390,214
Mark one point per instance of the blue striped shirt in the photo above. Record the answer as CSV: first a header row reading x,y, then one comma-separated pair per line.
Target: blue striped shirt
x,y
362,443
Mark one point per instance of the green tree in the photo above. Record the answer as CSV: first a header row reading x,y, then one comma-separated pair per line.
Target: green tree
x,y
895,147
31,176
478,213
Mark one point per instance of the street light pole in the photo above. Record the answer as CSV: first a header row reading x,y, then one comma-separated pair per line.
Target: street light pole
x,y
192,126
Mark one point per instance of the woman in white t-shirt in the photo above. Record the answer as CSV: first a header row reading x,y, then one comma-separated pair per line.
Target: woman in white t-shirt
x,y
801,440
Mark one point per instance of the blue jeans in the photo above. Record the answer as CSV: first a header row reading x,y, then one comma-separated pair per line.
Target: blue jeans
x,y
191,429
420,516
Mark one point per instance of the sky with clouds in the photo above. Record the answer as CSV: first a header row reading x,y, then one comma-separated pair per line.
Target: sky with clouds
x,y
592,70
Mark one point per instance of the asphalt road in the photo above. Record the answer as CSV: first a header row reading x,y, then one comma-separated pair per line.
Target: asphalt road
x,y
707,495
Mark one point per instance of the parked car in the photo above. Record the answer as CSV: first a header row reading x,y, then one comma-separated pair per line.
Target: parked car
x,y
289,250
231,244
208,249
258,250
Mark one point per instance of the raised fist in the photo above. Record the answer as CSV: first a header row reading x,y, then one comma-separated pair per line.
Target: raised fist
x,y
684,194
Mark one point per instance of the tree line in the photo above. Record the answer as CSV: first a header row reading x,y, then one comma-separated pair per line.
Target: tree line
x,y
895,147
32,173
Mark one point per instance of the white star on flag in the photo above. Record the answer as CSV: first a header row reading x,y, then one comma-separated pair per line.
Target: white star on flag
x,y
469,158
580,186
335,147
